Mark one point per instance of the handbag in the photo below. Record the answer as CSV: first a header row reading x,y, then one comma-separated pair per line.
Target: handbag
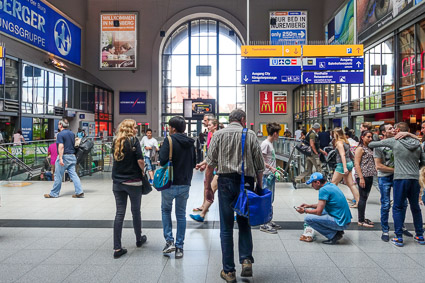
x,y
257,207
147,188
163,178
304,149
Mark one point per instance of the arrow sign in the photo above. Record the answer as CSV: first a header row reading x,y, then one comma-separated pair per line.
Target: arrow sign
x,y
268,71
333,77
343,63
245,79
302,34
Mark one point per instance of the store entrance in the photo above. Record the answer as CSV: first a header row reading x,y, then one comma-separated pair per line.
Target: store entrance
x,y
7,127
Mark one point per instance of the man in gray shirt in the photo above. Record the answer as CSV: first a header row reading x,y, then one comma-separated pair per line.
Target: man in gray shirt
x,y
407,155
384,160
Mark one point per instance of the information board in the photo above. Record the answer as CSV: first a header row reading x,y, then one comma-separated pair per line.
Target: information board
x,y
197,108
317,64
332,77
288,27
271,71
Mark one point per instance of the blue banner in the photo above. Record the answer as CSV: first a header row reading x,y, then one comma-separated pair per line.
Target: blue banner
x,y
26,128
322,64
133,102
271,71
40,25
332,77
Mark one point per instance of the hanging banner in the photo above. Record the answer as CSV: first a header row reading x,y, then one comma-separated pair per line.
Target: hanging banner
x,y
273,102
288,28
118,41
133,102
41,25
373,15
340,29
26,128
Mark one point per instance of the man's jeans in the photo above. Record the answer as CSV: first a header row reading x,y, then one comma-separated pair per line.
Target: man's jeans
x,y
407,189
228,192
324,224
69,161
181,194
385,185
270,185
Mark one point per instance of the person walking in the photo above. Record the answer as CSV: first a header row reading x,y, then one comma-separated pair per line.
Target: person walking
x,y
365,170
345,164
312,139
18,138
66,161
150,146
208,199
407,157
269,179
324,138
53,152
384,162
127,173
225,153
184,160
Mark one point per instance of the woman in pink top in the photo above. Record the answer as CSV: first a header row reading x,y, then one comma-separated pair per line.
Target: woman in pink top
x,y
53,151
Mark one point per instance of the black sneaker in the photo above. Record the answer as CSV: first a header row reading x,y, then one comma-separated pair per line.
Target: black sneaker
x,y
333,241
142,241
246,268
385,237
179,253
119,253
169,248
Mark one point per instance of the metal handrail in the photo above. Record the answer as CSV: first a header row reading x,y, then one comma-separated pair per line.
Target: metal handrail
x,y
17,160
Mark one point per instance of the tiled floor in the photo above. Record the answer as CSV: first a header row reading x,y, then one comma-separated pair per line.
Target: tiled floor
x,y
84,254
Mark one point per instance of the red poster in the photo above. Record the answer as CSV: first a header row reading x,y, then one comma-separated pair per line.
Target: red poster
x,y
266,102
280,102
279,107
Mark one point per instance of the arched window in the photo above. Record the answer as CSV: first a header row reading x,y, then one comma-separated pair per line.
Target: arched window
x,y
201,59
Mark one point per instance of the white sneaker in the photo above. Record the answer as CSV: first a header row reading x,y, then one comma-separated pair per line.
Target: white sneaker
x,y
268,229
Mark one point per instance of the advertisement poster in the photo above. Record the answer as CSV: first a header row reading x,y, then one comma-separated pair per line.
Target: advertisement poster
x,y
372,14
118,41
273,102
41,25
288,28
133,102
197,108
340,30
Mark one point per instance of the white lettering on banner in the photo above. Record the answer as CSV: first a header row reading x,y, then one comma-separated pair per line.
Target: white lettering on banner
x,y
23,13
22,32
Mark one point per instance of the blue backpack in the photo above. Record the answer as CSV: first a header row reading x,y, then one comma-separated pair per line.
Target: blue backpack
x,y
163,178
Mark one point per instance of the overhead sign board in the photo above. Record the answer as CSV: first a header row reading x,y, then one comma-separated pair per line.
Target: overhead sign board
x,y
43,26
321,64
273,102
332,77
332,50
271,71
261,51
288,27
292,51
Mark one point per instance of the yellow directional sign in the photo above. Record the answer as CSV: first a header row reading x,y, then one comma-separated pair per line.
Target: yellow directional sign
x,y
292,51
332,50
1,51
261,51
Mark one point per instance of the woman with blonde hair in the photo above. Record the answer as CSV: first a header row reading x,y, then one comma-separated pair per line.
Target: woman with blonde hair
x,y
127,174
344,164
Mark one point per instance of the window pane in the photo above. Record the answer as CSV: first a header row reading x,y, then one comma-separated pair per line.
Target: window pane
x,y
179,70
388,65
407,56
228,70
226,42
227,99
11,79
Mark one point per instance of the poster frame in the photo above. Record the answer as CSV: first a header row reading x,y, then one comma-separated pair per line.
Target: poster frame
x,y
132,91
272,102
288,11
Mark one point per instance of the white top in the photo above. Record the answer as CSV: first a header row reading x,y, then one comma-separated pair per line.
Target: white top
x,y
269,155
17,138
152,142
298,134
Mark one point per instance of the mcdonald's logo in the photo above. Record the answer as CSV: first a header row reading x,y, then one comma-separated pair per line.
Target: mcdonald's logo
x,y
266,108
280,108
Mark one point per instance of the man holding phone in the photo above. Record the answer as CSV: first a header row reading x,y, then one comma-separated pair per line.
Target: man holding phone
x,y
331,215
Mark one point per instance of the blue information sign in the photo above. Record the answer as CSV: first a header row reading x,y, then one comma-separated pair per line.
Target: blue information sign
x,y
39,24
26,128
133,102
271,71
332,77
322,64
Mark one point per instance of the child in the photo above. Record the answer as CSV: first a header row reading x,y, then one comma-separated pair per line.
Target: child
x,y
46,171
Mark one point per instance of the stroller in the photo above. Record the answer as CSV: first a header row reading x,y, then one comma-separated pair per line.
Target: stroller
x,y
328,162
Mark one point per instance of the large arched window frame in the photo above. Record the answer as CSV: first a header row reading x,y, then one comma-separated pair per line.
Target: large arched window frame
x,y
202,42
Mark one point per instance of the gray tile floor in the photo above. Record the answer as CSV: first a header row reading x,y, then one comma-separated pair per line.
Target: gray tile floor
x,y
54,254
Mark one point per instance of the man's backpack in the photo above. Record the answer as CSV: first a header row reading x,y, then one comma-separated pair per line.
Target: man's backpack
x,y
84,149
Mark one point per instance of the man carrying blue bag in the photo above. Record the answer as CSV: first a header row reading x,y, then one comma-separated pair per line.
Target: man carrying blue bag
x,y
225,153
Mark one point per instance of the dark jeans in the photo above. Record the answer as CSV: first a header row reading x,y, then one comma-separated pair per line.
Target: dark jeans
x,y
135,193
228,192
407,189
364,194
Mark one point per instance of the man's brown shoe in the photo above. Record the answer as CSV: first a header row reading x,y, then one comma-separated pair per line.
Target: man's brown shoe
x,y
78,196
230,277
246,268
48,196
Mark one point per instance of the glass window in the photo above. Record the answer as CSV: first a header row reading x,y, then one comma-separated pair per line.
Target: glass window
x,y
407,56
375,70
77,89
421,52
388,65
11,79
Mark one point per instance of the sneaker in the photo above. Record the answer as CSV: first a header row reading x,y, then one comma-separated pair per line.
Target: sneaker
x,y
246,268
385,237
169,247
197,217
398,242
151,182
142,241
420,240
274,225
268,229
48,196
119,253
407,233
338,236
179,253
229,277
78,196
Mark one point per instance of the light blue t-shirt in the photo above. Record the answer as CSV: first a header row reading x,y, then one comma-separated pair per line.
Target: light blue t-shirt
x,y
336,204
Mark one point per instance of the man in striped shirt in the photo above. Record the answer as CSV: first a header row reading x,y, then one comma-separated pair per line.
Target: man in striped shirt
x,y
225,153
